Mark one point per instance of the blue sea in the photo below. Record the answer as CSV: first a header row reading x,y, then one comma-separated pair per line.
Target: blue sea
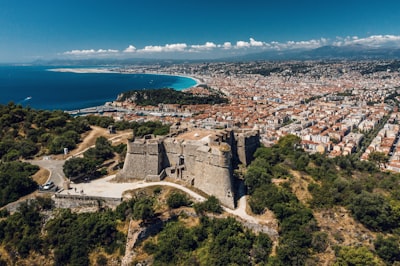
x,y
39,88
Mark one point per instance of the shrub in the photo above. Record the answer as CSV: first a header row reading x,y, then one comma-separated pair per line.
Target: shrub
x,y
176,200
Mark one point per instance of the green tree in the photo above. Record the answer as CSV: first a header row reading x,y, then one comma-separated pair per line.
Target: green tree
x,y
174,244
288,143
104,149
347,256
302,162
20,232
177,199
212,204
73,236
79,167
256,176
27,149
373,211
58,144
388,248
16,181
143,209
379,158
262,247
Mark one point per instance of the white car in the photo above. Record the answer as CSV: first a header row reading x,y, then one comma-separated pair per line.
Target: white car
x,y
48,185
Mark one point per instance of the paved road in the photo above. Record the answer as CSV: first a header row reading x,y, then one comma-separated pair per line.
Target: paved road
x,y
55,167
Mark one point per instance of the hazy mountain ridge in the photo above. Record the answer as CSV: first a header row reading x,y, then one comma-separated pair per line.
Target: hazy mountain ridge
x,y
328,52
351,52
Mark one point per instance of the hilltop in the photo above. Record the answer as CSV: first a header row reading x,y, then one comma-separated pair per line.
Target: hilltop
x,y
171,96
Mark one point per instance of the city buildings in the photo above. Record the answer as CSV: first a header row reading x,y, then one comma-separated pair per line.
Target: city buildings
x,y
331,106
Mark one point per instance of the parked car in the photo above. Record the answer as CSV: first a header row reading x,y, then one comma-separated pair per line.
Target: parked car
x,y
48,185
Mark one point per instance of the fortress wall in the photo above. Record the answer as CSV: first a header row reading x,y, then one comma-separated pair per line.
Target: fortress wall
x,y
208,166
77,201
247,143
216,181
190,156
137,146
213,175
214,156
240,142
172,151
153,159
143,158
134,166
252,143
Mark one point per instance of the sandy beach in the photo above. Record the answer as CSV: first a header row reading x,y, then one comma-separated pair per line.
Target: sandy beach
x,y
82,70
119,71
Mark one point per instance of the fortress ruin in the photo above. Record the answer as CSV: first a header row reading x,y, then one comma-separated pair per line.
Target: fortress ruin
x,y
204,159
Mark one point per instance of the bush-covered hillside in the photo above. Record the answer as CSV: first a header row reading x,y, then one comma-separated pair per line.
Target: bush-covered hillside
x,y
170,96
38,234
370,196
25,132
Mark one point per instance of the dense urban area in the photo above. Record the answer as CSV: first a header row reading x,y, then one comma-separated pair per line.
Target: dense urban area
x,y
339,108
323,188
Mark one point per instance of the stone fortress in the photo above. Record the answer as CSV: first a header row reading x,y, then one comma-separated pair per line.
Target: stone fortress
x,y
204,159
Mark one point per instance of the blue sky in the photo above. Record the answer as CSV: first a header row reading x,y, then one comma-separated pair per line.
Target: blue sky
x,y
49,29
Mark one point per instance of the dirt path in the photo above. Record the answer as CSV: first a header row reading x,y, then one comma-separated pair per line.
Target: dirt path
x,y
133,234
90,139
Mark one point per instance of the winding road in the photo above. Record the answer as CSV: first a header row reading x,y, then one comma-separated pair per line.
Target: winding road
x,y
55,168
105,187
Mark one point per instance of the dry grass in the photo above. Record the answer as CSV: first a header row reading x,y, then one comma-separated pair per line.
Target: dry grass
x,y
112,259
299,184
34,259
89,138
41,176
337,223
342,230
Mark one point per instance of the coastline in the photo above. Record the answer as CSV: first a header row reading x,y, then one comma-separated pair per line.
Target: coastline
x,y
106,107
121,71
81,70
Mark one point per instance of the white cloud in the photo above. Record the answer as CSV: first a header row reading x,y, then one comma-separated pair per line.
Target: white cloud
x,y
310,44
242,44
252,43
91,52
176,47
226,45
130,49
202,47
210,48
256,43
372,41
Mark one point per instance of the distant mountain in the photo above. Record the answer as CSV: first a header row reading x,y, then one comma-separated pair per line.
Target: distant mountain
x,y
352,52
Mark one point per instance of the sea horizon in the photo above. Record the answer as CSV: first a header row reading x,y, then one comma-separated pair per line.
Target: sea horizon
x,y
70,88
